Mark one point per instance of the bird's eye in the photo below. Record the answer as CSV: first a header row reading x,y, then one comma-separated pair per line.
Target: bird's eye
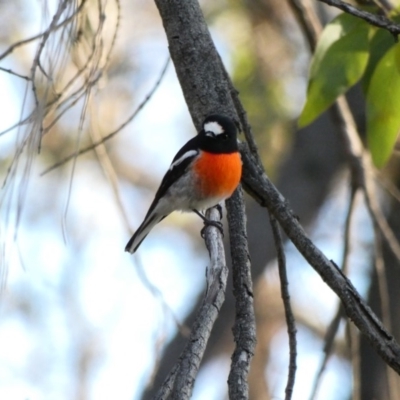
x,y
225,136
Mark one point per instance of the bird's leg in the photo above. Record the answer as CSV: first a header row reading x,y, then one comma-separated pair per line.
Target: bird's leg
x,y
219,209
208,222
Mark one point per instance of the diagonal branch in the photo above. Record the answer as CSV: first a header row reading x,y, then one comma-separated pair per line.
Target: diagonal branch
x,y
379,21
335,322
206,90
261,189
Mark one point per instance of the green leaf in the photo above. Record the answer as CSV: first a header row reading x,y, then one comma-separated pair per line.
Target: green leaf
x,y
381,41
339,62
383,106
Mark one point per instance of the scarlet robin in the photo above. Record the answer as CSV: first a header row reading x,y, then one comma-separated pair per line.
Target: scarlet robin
x,y
205,171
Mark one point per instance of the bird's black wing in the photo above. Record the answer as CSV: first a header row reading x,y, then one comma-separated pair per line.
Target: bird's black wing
x,y
179,165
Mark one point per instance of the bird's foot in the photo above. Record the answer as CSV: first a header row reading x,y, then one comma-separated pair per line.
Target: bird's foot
x,y
216,224
209,222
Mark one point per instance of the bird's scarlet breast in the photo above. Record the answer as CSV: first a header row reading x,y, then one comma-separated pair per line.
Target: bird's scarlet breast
x,y
218,174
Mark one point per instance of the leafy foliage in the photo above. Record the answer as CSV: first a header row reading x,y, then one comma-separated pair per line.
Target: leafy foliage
x,y
339,62
383,105
348,51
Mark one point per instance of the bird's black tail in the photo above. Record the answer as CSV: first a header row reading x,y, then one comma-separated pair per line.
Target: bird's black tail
x,y
143,230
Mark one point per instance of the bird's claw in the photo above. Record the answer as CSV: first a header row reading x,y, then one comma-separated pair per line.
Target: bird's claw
x,y
216,224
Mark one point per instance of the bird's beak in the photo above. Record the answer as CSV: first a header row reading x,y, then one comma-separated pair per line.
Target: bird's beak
x,y
209,134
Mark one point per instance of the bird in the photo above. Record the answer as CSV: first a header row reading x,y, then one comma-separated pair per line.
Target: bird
x,y
204,172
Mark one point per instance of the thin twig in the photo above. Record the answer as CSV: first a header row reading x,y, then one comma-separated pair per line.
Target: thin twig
x,y
333,328
329,340
308,20
290,320
392,379
388,185
362,170
9,71
353,337
380,219
379,21
40,35
383,289
116,131
97,50
241,113
45,37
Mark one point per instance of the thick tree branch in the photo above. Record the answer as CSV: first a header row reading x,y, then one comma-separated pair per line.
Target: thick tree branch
x,y
196,61
206,90
244,330
260,188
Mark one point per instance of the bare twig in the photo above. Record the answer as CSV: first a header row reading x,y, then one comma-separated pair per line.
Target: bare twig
x,y
36,61
334,324
241,112
307,19
362,170
387,185
381,278
329,340
10,71
353,337
290,321
116,131
392,379
380,220
40,35
244,329
180,381
376,20
94,68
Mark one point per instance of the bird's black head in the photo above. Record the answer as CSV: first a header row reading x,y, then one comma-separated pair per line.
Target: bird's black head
x,y
218,135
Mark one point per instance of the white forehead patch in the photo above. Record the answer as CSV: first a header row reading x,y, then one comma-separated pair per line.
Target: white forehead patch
x,y
213,127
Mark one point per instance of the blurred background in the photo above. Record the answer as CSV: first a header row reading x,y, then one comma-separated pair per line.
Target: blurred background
x,y
82,319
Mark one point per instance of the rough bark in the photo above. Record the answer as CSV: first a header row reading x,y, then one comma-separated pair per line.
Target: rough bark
x,y
244,329
205,89
305,177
